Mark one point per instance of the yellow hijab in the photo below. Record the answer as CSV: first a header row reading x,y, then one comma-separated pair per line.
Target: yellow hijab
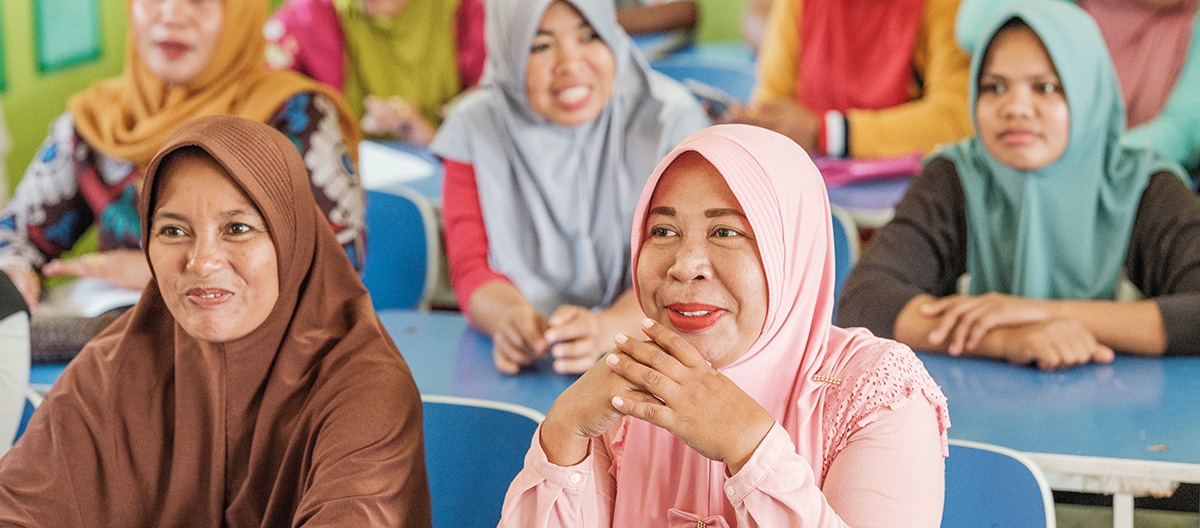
x,y
129,117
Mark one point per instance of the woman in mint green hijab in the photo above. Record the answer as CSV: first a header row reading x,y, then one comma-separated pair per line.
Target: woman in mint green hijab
x,y
1042,239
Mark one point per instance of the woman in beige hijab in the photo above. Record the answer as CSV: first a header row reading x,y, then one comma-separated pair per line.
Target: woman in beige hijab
x,y
252,384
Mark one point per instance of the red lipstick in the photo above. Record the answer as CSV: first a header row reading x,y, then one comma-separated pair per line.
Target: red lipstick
x,y
694,317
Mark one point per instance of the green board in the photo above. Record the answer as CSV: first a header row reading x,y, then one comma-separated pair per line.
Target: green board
x,y
67,32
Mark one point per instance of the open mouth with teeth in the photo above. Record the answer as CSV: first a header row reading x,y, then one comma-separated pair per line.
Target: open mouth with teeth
x,y
207,297
694,317
574,96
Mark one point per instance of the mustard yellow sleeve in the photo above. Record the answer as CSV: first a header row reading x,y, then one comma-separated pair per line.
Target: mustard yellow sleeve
x,y
939,114
779,54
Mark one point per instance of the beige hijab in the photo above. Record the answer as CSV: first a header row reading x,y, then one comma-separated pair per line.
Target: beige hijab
x,y
129,117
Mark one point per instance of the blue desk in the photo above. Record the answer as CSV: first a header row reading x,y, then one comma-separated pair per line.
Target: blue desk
x,y
1129,428
448,358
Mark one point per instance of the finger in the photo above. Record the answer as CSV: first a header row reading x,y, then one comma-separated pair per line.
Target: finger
x,y
652,355
637,373
577,365
581,349
968,321
70,267
568,323
979,331
510,343
651,412
936,306
503,363
672,343
1103,354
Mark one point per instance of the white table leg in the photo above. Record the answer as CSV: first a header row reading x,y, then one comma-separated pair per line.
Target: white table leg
x,y
1122,510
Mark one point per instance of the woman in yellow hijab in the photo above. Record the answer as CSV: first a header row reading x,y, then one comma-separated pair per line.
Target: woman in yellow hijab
x,y
184,59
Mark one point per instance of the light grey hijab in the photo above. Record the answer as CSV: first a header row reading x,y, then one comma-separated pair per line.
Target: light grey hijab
x,y
557,201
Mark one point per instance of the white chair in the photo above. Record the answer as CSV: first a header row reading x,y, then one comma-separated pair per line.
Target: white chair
x,y
994,486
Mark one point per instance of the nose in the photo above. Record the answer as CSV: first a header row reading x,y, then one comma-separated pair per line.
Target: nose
x,y
691,261
1018,102
569,55
171,10
207,256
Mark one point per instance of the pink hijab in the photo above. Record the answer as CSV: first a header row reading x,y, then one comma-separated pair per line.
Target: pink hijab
x,y
784,198
1148,46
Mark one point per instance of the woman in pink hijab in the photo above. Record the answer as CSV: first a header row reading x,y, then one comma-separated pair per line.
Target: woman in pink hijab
x,y
744,407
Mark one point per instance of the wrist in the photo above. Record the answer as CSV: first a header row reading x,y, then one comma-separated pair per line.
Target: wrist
x,y
749,440
561,444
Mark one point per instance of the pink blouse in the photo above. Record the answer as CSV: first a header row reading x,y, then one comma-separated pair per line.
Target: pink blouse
x,y
888,472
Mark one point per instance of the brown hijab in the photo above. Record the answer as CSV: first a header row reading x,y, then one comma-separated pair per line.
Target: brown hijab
x,y
312,418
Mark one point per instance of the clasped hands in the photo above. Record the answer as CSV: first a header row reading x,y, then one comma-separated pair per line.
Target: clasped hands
x,y
664,381
574,335
1018,329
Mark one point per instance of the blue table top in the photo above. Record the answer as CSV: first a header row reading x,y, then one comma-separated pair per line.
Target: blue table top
x,y
449,358
1131,408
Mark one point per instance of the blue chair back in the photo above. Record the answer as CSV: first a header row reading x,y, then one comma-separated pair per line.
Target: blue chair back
x,y
845,250
403,245
989,485
473,449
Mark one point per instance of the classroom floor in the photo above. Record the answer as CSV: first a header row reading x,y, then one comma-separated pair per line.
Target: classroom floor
x,y
1081,516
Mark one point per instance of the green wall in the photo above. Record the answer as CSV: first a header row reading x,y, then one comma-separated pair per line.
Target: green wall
x,y
720,20
33,99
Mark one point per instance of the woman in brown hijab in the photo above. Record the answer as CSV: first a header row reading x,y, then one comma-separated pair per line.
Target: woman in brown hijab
x,y
252,384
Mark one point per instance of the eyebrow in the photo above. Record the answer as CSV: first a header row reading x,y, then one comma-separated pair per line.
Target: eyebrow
x,y
1035,77
709,213
227,214
540,32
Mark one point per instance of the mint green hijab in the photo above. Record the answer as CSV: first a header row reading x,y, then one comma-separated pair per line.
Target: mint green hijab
x,y
1061,231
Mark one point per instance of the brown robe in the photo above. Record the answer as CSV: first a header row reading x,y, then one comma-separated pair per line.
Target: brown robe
x,y
311,419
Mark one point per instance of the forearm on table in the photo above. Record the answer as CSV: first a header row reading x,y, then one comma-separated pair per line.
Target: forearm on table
x,y
492,303
1131,327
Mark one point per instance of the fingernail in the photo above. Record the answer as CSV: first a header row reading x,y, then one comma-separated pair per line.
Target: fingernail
x,y
647,322
621,339
617,401
611,359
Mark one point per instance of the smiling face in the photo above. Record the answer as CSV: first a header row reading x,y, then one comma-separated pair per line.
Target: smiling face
x,y
1021,109
699,271
570,74
211,252
176,38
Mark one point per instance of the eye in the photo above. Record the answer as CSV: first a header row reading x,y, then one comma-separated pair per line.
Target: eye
x,y
238,228
725,232
992,88
1047,87
170,231
592,36
661,231
539,47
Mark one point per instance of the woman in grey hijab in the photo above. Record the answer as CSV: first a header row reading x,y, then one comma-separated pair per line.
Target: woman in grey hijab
x,y
544,164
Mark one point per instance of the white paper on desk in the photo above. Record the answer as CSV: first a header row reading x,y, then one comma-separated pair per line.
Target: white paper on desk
x,y
383,166
86,298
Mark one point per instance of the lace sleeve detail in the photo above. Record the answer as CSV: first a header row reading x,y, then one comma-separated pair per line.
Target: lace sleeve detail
x,y
895,378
